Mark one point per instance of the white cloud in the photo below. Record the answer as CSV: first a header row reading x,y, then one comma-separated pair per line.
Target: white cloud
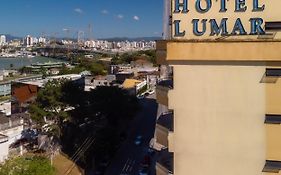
x,y
120,16
104,12
78,10
136,18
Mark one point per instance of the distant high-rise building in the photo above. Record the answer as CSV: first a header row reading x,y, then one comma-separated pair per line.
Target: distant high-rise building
x,y
35,40
3,40
42,40
28,41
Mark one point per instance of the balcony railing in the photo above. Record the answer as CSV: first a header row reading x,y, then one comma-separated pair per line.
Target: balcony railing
x,y
272,166
162,90
165,163
166,83
166,120
164,128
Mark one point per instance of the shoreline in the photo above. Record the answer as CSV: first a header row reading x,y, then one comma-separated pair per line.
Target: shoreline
x,y
19,62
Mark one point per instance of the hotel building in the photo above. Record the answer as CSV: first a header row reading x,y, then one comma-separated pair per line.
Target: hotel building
x,y
223,99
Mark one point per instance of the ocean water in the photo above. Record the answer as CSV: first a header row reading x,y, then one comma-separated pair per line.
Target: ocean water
x,y
5,63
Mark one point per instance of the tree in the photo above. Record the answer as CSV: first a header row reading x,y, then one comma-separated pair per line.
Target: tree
x,y
50,105
27,165
114,103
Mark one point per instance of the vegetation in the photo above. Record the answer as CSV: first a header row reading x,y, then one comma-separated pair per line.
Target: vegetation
x,y
126,58
4,98
95,67
104,114
27,165
50,105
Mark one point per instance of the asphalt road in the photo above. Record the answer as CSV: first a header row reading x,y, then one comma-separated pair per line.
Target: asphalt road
x,y
128,158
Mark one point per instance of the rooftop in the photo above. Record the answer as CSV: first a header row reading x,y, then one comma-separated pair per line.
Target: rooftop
x,y
130,83
41,82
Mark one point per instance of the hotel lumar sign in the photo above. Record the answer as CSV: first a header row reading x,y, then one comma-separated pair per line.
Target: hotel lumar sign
x,y
205,19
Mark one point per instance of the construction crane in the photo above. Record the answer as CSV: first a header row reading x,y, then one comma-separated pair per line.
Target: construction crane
x,y
90,32
68,43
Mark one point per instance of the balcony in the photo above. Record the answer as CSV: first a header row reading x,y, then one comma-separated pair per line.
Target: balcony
x,y
272,119
165,163
272,166
164,129
162,90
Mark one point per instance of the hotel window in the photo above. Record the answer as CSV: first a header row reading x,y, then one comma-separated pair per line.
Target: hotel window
x,y
272,119
272,166
273,72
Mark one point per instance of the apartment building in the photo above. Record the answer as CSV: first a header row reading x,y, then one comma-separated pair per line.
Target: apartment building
x,y
224,100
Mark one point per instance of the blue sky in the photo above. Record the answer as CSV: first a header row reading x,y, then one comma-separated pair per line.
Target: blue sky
x,y
109,18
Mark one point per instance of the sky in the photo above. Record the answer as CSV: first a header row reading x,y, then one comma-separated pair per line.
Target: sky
x,y
108,18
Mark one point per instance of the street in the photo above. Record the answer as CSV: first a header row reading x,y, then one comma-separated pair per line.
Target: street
x,y
128,158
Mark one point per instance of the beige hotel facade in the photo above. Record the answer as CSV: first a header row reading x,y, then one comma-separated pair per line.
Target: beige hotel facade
x,y
220,105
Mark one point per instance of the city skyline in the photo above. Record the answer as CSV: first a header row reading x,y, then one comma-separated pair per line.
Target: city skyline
x,y
65,18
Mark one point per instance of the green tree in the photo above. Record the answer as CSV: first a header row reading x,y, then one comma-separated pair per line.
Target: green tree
x,y
27,165
50,105
114,103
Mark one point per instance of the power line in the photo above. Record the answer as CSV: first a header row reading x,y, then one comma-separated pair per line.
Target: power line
x,y
82,149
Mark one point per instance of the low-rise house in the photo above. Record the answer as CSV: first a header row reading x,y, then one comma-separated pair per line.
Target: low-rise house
x,y
133,85
122,76
11,129
93,82
53,71
25,92
5,108
141,63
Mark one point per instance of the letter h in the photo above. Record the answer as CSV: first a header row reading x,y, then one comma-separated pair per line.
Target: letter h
x,y
183,4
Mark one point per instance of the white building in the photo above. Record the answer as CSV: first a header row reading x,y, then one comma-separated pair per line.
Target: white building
x,y
34,40
94,82
3,40
10,131
28,41
42,40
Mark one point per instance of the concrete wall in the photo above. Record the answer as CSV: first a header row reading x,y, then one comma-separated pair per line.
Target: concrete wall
x,y
273,106
219,119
